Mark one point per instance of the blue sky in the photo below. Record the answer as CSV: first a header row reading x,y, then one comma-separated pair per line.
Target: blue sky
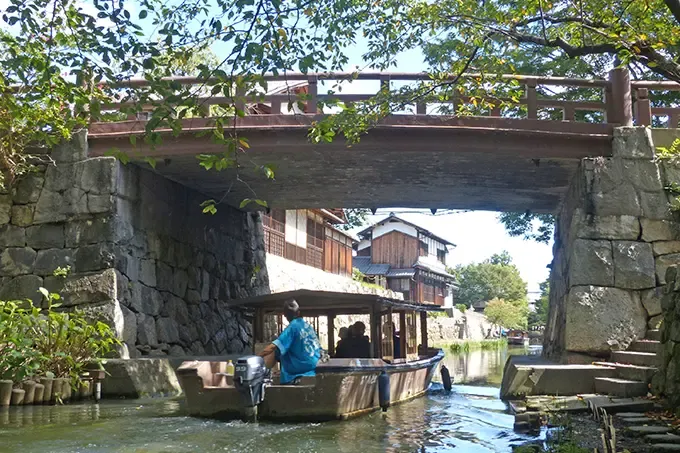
x,y
477,236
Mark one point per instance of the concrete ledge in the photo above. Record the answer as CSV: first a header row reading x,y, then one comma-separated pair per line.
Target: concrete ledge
x,y
523,378
152,377
137,378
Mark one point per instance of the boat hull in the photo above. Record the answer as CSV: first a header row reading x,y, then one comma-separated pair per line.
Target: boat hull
x,y
341,389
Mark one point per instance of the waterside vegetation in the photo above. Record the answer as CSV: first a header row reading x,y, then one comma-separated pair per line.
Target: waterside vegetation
x,y
495,344
50,342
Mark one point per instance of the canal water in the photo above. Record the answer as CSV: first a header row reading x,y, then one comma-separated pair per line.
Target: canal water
x,y
469,419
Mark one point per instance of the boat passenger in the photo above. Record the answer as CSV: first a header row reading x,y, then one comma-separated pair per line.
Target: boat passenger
x,y
342,348
297,348
360,344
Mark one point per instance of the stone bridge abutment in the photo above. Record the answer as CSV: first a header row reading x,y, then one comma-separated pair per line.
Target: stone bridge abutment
x,y
142,257
615,236
145,261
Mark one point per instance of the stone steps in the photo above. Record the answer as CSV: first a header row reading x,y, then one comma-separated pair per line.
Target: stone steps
x,y
653,334
631,372
663,438
661,448
620,387
635,358
642,431
652,346
615,405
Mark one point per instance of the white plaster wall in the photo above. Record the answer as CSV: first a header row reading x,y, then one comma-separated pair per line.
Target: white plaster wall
x,y
296,227
432,262
388,227
448,300
364,244
469,326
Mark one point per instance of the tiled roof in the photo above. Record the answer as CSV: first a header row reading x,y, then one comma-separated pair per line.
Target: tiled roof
x,y
401,273
363,263
432,266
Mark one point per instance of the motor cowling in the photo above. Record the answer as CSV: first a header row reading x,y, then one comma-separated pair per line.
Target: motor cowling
x,y
250,377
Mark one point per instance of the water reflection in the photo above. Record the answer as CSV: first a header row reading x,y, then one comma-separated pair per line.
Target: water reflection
x,y
469,419
483,367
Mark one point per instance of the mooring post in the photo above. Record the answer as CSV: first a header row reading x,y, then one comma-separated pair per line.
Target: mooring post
x,y
620,106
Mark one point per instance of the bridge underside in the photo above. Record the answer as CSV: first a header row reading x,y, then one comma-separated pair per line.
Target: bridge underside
x,y
411,161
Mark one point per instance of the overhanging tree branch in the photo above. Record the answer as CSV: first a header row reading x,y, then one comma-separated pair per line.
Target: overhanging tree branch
x,y
674,7
644,53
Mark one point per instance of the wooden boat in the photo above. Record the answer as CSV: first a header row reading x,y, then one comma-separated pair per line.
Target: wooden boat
x,y
343,387
518,337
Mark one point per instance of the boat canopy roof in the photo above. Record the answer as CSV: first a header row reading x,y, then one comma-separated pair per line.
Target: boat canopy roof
x,y
319,303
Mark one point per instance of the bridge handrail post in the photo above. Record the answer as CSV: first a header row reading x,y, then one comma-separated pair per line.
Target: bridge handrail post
x,y
642,107
385,89
620,107
313,92
532,104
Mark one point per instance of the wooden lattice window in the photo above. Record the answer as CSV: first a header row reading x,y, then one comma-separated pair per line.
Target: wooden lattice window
x,y
428,292
314,257
315,233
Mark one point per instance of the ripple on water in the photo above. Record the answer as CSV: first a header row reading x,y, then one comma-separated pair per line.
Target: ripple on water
x,y
469,419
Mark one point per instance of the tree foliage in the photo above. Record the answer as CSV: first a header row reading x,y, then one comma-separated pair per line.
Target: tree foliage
x,y
63,60
494,278
642,33
533,227
539,317
356,217
506,314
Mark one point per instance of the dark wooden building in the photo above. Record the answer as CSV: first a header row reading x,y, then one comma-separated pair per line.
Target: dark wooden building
x,y
404,257
308,236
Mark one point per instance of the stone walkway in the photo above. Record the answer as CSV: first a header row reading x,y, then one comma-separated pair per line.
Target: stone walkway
x,y
658,434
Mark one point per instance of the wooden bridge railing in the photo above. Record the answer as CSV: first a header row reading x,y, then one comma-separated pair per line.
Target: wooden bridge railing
x,y
642,106
619,101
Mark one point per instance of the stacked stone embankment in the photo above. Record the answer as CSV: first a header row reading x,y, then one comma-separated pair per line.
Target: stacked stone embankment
x,y
142,257
666,383
615,237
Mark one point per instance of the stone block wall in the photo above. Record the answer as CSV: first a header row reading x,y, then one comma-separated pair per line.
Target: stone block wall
x,y
143,257
614,238
666,382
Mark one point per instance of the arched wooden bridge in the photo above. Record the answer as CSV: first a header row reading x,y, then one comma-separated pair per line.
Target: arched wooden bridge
x,y
417,159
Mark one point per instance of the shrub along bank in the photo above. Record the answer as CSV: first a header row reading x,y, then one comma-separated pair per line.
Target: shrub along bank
x,y
48,344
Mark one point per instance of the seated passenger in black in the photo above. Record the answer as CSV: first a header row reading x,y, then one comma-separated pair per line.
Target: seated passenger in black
x,y
396,340
360,345
342,349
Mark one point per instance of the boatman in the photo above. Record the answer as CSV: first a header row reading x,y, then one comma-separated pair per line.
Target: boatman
x,y
297,348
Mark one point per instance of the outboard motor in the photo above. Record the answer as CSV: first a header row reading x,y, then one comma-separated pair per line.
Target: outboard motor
x,y
250,378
